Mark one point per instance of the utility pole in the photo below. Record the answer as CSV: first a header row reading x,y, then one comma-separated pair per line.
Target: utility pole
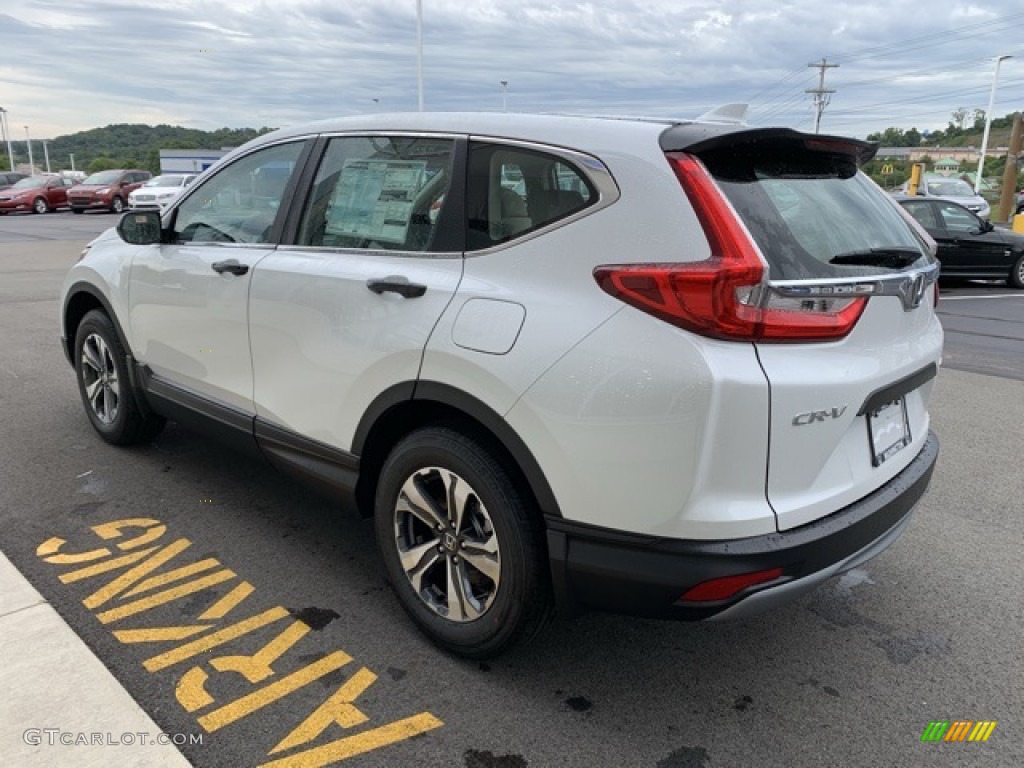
x,y
3,134
28,141
822,95
1009,194
46,154
419,53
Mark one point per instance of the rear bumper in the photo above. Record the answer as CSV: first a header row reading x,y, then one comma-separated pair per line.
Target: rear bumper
x,y
646,576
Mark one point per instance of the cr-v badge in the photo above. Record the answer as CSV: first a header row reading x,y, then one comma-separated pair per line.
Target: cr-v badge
x,y
803,419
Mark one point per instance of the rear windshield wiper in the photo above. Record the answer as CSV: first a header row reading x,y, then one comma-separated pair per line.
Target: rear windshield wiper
x,y
888,257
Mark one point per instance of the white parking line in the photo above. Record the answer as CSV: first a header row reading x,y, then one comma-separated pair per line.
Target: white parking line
x,y
987,296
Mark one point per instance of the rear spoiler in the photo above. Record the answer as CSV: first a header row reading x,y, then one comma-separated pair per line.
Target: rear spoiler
x,y
697,137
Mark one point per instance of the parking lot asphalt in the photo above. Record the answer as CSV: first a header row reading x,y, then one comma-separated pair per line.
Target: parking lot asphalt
x,y
984,324
849,676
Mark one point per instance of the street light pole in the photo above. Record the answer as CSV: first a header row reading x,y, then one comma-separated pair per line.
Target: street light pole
x,y
504,95
46,154
988,124
419,51
7,135
28,141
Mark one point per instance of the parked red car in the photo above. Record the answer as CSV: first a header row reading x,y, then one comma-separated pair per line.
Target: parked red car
x,y
38,194
107,190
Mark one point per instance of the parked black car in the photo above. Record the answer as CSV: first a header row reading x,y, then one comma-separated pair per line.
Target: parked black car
x,y
968,245
8,178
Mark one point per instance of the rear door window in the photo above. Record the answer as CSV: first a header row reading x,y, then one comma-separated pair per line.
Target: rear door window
x,y
379,193
925,215
813,214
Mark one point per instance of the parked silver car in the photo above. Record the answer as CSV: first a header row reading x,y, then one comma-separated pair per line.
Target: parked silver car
x,y
946,188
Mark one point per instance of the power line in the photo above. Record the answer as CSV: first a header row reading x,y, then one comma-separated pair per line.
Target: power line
x,y
763,91
941,37
918,99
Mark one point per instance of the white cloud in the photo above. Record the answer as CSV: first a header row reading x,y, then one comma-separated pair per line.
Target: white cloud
x,y
68,65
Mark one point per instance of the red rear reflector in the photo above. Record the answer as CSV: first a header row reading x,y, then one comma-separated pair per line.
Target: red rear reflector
x,y
727,586
716,297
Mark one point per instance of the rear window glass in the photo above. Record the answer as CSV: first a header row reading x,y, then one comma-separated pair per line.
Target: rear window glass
x,y
814,215
513,191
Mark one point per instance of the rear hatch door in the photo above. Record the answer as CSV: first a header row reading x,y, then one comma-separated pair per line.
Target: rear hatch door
x,y
847,414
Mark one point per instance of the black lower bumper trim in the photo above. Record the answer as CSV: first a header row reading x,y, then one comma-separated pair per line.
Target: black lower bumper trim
x,y
645,576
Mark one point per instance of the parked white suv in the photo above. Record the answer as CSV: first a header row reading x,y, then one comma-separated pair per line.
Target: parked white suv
x,y
160,191
684,372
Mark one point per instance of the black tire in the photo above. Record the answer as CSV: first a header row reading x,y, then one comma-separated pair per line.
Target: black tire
x,y
78,210
39,205
113,411
1016,278
496,509
117,205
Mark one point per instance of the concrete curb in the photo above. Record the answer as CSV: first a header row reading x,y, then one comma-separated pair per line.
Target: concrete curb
x,y
60,705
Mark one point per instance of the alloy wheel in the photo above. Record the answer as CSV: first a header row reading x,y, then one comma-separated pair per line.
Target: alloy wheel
x,y
447,544
99,377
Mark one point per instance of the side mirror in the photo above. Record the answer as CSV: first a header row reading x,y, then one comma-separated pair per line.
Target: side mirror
x,y
140,227
987,226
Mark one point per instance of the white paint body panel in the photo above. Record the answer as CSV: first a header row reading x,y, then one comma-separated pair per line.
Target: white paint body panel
x,y
324,346
189,323
645,428
821,467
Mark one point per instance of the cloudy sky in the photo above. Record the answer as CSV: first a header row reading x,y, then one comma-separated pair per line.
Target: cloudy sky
x,y
68,65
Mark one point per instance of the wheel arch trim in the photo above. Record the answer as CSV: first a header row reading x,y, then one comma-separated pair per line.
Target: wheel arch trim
x,y
75,290
446,395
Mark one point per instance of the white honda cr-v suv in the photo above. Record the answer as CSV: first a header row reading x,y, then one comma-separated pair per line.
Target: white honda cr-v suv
x,y
674,369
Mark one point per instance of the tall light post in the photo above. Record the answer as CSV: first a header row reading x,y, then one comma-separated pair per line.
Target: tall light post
x,y
7,135
504,95
28,141
46,154
419,51
988,124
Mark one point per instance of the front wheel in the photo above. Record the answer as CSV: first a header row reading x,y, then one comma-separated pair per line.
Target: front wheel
x,y
78,210
39,205
102,371
117,205
1016,278
462,544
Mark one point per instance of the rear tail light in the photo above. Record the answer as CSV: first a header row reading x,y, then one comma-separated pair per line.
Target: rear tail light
x,y
724,296
729,586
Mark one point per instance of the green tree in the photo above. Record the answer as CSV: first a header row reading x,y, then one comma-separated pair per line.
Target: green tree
x,y
102,164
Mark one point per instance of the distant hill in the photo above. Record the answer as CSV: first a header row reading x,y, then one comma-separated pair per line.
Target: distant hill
x,y
953,136
126,145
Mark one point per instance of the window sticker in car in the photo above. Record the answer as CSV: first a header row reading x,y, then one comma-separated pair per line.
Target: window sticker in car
x,y
374,199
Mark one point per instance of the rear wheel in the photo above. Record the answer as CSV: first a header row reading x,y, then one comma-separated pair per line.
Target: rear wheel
x,y
1016,278
39,205
102,371
462,545
117,205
